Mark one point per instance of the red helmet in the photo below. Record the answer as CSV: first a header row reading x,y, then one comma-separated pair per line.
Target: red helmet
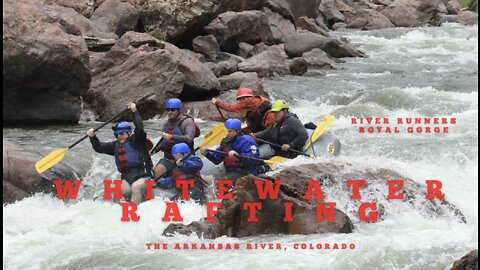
x,y
244,92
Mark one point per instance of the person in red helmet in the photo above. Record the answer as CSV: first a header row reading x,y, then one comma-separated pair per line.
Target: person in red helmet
x,y
257,109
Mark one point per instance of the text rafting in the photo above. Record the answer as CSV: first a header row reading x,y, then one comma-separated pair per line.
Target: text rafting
x,y
267,190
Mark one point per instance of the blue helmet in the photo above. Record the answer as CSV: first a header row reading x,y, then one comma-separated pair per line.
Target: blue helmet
x,y
174,103
122,127
180,148
233,123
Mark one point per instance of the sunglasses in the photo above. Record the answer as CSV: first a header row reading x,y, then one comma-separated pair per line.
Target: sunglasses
x,y
171,110
122,133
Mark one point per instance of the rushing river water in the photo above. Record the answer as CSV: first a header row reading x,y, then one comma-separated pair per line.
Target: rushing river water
x,y
414,72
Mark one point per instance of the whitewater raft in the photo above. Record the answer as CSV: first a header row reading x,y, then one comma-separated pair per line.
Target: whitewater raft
x,y
326,146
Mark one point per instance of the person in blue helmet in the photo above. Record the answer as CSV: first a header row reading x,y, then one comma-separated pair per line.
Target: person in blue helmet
x,y
236,143
188,167
131,155
177,129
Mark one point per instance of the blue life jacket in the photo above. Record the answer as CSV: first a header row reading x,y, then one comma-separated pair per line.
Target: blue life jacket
x,y
127,157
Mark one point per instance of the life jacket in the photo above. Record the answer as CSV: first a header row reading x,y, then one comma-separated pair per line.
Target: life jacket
x,y
256,117
177,130
178,174
127,157
229,162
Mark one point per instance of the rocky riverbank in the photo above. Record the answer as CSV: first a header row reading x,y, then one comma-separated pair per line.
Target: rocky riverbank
x,y
60,53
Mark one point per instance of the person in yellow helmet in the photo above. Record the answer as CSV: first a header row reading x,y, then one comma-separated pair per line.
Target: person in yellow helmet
x,y
287,131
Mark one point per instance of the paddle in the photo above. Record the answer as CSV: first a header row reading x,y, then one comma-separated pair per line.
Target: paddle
x,y
221,114
270,162
293,150
57,155
321,128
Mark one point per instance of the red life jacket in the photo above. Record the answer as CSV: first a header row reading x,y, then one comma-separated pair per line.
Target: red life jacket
x,y
256,117
127,157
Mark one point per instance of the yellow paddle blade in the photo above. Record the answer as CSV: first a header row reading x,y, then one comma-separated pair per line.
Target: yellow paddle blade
x,y
274,160
321,128
50,160
214,136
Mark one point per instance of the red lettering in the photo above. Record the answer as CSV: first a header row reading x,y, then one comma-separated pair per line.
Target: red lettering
x,y
184,184
223,187
252,207
262,192
172,211
129,212
315,190
373,217
288,211
356,184
62,192
211,212
395,186
149,189
323,211
434,190
107,187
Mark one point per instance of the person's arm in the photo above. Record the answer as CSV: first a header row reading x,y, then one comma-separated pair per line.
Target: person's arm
x,y
215,157
139,136
302,135
103,148
264,134
188,128
242,106
192,163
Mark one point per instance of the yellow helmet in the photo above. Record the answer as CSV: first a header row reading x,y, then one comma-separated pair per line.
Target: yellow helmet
x,y
279,105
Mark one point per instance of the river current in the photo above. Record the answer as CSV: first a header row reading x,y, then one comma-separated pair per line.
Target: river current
x,y
429,72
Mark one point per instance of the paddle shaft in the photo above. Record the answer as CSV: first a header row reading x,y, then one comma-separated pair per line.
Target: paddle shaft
x,y
240,156
289,149
221,114
97,128
108,121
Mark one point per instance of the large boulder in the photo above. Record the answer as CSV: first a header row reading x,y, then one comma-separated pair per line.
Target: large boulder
x,y
45,62
21,180
369,19
265,64
280,27
139,65
232,28
302,8
240,79
232,219
184,19
304,42
410,13
467,17
281,7
84,7
118,16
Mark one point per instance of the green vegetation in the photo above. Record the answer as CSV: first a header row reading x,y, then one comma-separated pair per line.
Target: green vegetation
x,y
156,33
470,4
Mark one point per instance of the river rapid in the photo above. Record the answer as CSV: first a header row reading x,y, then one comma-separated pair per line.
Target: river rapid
x,y
428,72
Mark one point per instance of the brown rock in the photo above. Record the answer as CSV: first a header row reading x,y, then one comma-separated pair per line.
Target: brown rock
x,y
300,8
118,16
298,66
280,27
408,13
310,25
21,180
231,28
139,65
240,79
368,19
39,42
265,64
467,262
84,7
206,45
304,42
467,17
